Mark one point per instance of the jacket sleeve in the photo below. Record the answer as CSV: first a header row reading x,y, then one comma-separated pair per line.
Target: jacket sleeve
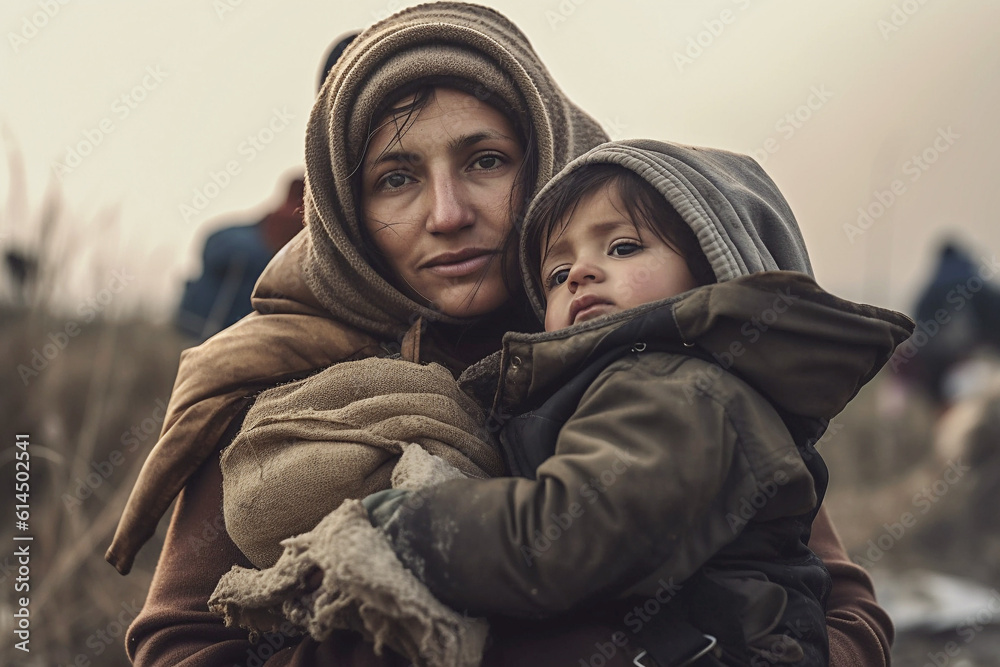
x,y
644,476
176,629
860,631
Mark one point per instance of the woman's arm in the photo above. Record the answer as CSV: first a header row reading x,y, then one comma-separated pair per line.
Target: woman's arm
x,y
860,631
175,627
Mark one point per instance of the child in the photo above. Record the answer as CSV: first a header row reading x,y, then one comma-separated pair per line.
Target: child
x,y
664,421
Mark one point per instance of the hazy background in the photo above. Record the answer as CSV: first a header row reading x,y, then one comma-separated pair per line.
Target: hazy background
x,y
225,69
154,99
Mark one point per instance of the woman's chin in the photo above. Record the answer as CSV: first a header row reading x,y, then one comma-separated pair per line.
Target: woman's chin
x,y
477,302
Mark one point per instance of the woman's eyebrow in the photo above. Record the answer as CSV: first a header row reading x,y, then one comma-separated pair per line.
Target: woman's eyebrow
x,y
462,142
456,144
394,156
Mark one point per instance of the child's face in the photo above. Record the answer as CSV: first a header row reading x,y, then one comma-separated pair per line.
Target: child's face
x,y
600,262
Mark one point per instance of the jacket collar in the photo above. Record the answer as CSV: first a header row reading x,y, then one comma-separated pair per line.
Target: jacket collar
x,y
806,350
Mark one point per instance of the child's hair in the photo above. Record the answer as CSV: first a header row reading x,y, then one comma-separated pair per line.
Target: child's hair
x,y
646,207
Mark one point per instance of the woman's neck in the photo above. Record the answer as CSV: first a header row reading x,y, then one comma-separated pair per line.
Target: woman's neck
x,y
470,342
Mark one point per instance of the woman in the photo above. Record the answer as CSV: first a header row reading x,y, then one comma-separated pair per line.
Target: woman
x,y
402,248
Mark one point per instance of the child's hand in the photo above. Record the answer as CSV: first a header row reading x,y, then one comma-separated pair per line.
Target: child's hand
x,y
383,504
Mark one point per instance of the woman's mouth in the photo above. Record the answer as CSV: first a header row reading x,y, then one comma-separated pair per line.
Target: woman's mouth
x,y
460,264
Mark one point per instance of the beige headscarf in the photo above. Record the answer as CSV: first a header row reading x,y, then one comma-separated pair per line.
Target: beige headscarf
x,y
446,39
319,301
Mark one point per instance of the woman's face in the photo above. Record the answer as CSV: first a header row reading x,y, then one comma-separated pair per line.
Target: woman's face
x,y
436,203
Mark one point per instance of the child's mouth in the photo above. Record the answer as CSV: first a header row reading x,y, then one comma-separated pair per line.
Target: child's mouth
x,y
588,307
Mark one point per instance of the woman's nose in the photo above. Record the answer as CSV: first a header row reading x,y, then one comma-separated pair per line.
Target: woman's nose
x,y
450,207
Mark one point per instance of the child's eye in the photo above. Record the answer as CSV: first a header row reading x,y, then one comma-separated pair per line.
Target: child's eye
x,y
558,278
624,248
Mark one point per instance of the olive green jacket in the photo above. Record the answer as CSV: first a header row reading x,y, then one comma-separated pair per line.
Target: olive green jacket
x,y
665,459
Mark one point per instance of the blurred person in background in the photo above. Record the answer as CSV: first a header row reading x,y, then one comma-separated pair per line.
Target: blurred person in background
x,y
232,260
234,257
957,343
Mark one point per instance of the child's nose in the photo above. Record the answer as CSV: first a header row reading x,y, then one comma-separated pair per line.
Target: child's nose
x,y
582,273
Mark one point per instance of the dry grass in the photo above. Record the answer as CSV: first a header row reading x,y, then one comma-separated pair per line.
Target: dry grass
x,y
78,410
76,382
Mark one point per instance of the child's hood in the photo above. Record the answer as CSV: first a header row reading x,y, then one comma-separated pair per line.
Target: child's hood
x,y
741,220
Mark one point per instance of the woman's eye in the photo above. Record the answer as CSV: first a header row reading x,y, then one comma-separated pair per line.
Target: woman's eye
x,y
393,181
625,249
488,162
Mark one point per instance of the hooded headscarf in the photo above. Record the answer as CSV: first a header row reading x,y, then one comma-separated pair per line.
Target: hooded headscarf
x,y
740,218
428,42
319,301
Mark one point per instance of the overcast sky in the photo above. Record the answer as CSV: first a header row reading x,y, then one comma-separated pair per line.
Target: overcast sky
x,y
886,106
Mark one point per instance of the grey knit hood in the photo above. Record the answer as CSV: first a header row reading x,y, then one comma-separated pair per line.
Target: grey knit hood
x,y
741,220
432,41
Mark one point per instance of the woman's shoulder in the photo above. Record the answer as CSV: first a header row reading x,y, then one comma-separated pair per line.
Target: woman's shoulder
x,y
215,380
